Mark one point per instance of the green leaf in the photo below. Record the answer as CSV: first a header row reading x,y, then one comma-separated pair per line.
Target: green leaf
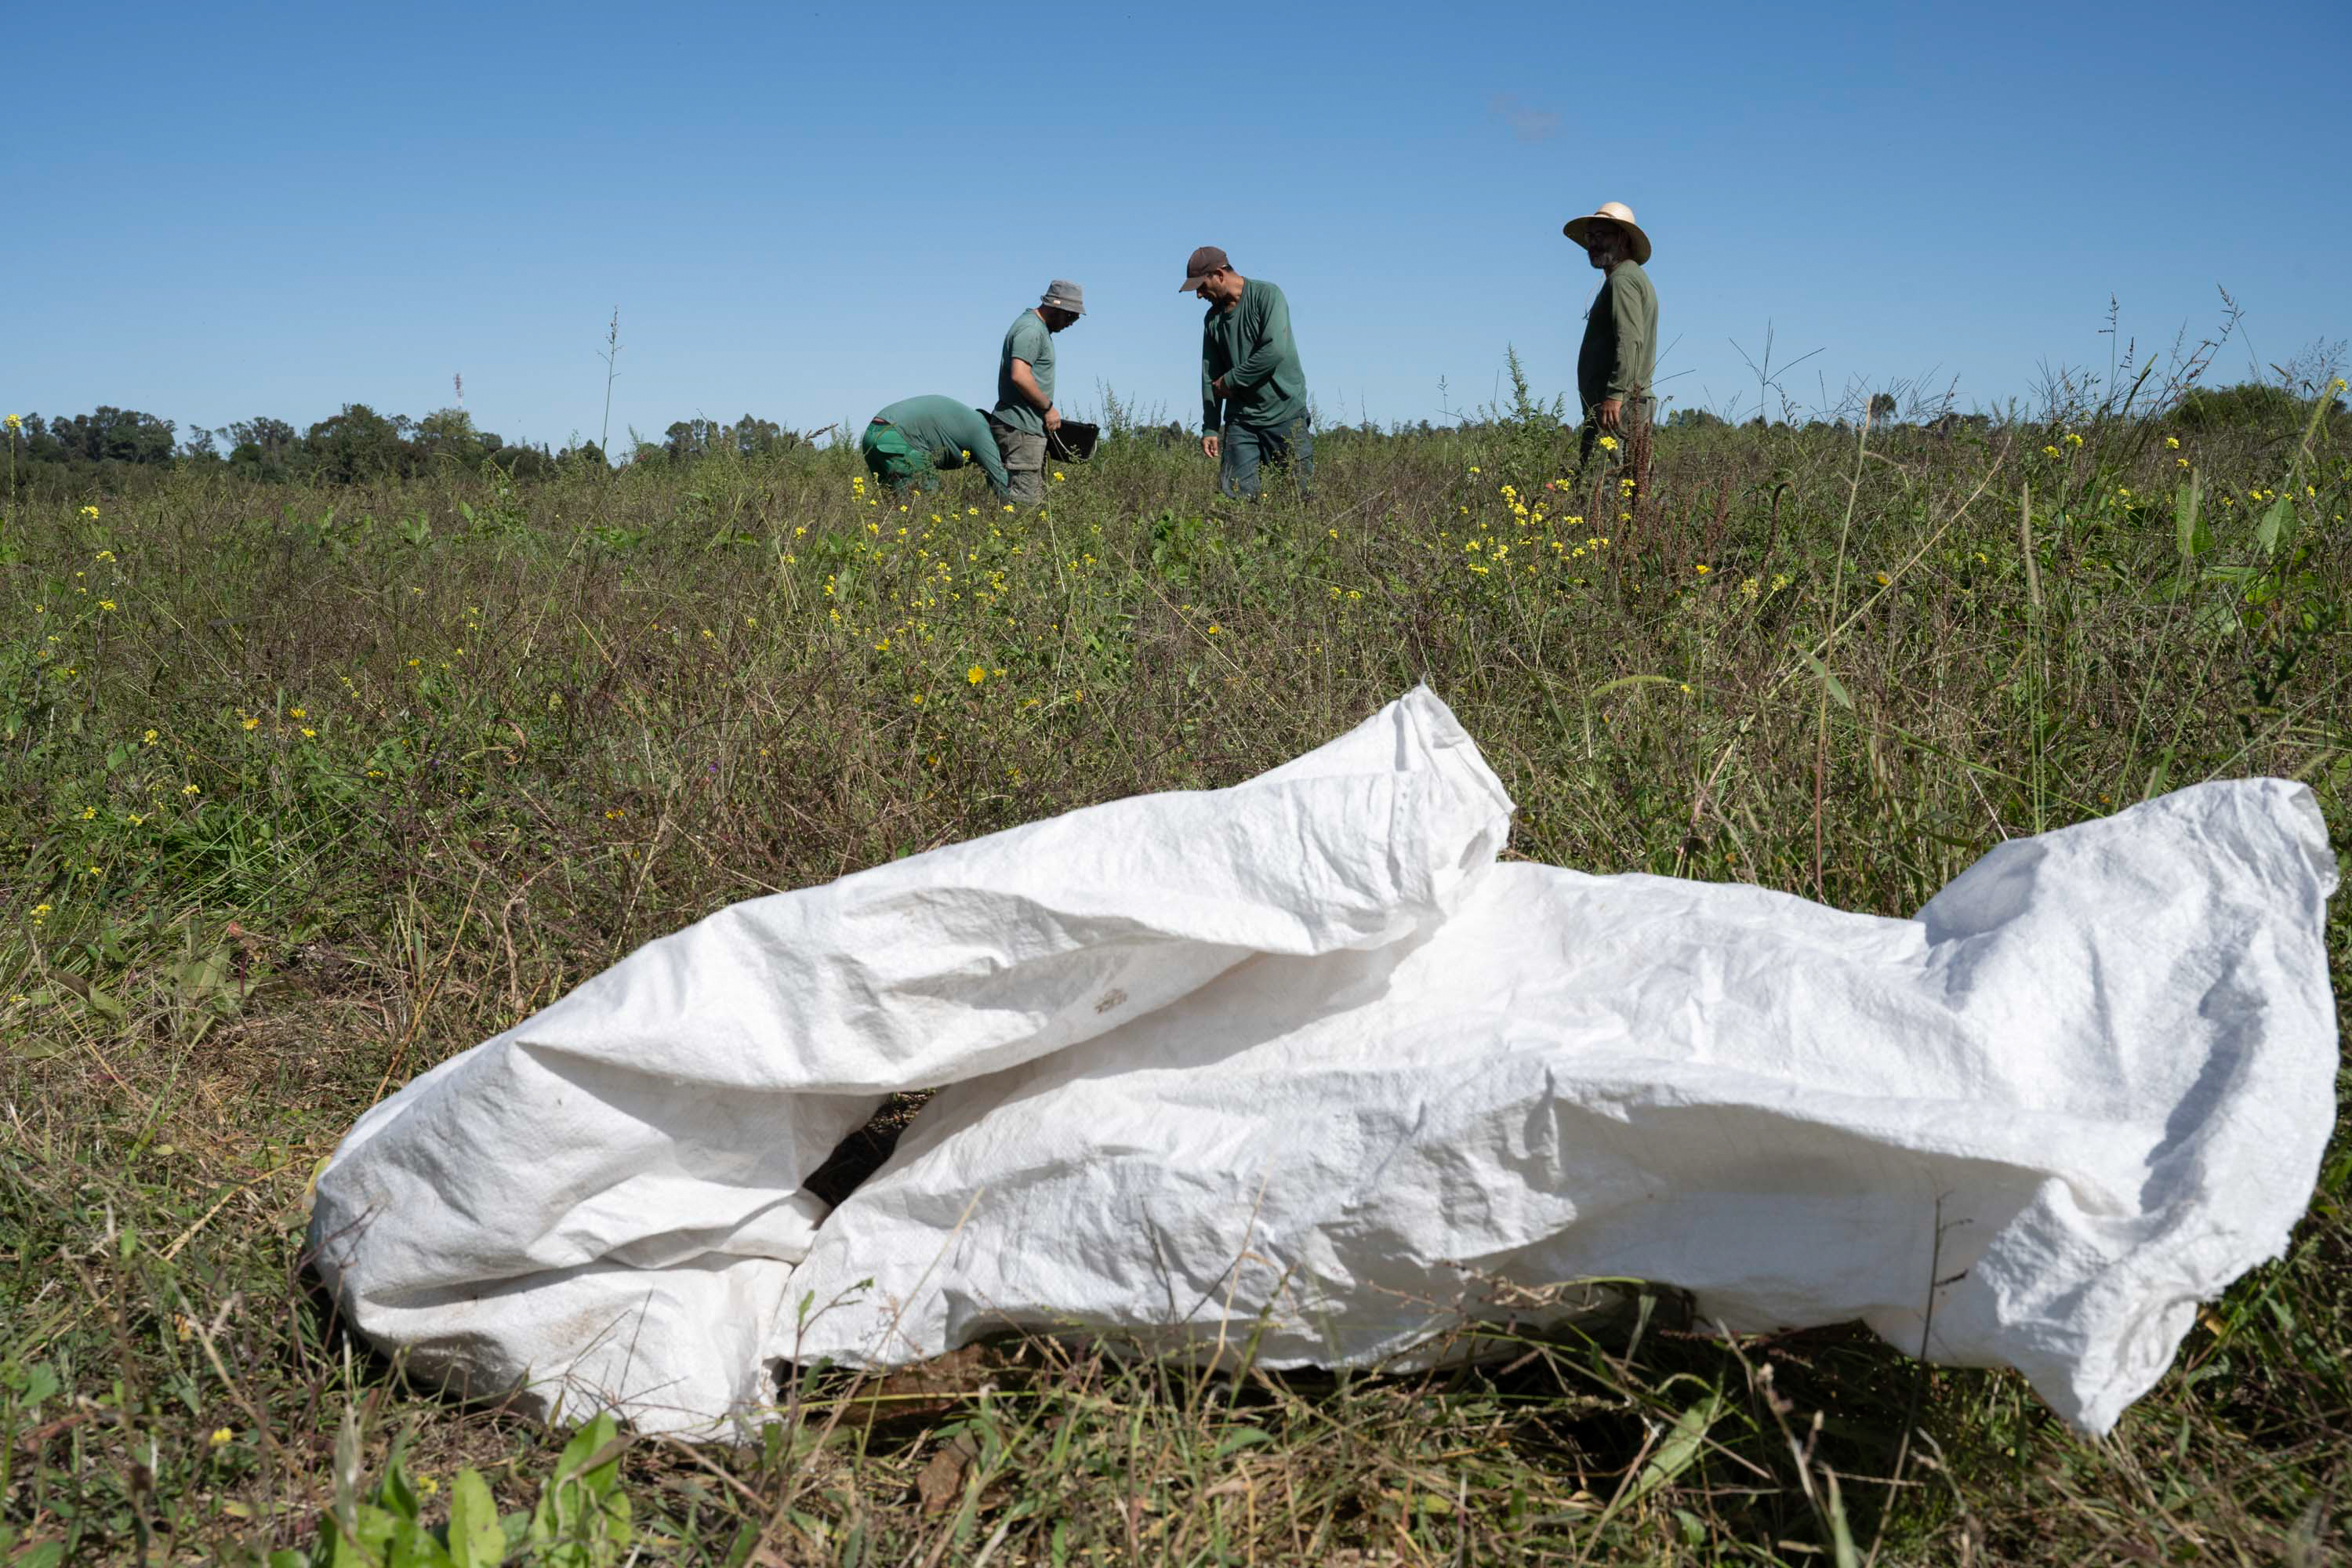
x,y
476,1540
1242,1437
412,1546
1836,687
2277,525
39,1382
2189,533
1682,1447
394,1493
1606,686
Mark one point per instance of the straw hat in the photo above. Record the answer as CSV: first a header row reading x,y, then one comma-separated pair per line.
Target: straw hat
x,y
1621,215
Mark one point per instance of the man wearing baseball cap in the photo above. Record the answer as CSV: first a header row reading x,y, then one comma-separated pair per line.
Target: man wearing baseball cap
x,y
1620,353
1025,408
1253,391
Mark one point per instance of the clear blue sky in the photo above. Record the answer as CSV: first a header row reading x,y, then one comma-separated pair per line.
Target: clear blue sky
x,y
223,211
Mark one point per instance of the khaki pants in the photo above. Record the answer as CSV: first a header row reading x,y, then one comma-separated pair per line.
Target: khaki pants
x,y
1025,463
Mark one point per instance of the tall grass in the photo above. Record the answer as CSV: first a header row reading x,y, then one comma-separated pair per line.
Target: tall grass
x,y
308,790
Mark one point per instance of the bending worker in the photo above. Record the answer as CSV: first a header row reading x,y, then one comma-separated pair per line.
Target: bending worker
x,y
1620,353
915,437
1025,408
1253,390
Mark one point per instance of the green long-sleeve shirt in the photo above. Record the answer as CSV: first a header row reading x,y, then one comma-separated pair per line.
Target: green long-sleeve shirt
x,y
1250,346
1621,337
947,430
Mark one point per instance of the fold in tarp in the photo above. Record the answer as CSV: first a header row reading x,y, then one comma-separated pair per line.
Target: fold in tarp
x,y
1295,1065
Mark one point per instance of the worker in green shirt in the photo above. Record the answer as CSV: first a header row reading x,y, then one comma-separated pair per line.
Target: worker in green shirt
x,y
1620,353
1025,408
1253,392
908,442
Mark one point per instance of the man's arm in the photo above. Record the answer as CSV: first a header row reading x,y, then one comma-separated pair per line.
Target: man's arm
x,y
1025,382
1273,331
1211,405
1632,340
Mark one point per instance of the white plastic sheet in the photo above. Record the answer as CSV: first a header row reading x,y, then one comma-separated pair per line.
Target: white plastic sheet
x,y
1295,1063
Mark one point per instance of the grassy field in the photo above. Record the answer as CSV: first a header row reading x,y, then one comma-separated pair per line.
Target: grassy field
x,y
305,790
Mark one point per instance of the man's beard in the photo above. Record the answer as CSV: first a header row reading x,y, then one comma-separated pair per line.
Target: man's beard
x,y
1605,256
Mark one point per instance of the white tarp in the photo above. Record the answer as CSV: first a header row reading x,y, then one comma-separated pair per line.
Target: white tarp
x,y
1296,1062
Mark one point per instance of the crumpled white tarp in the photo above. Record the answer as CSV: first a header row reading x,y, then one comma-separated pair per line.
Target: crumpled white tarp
x,y
1296,1064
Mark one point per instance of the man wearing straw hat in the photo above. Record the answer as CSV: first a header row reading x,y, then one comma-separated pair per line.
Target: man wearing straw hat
x,y
1025,408
1621,330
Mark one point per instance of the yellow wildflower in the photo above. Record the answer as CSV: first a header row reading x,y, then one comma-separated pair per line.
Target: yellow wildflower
x,y
1702,568
221,1437
90,512
975,675
2172,443
1609,443
251,723
149,737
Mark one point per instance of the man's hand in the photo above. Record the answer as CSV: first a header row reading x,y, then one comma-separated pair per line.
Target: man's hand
x,y
1053,418
1211,447
1610,414
1217,389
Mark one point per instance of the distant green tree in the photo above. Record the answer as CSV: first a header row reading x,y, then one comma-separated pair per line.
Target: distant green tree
x,y
448,435
1693,419
1882,407
264,447
113,435
357,444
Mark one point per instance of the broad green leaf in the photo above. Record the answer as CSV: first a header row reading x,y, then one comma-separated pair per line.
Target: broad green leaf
x,y
476,1539
394,1493
412,1546
2277,525
2189,534
1836,687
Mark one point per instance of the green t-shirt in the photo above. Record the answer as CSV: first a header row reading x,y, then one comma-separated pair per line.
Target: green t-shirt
x,y
1027,339
1250,346
1621,337
947,429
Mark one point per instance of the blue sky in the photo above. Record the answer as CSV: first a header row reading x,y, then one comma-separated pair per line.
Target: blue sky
x,y
227,211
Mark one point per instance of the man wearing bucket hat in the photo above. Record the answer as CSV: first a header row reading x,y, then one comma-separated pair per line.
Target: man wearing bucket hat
x,y
910,441
1620,330
1253,391
1025,408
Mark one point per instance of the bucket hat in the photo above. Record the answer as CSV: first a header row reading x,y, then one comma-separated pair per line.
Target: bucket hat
x,y
1618,213
1063,295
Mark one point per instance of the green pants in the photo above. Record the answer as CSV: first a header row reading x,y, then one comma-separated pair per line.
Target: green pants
x,y
894,459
